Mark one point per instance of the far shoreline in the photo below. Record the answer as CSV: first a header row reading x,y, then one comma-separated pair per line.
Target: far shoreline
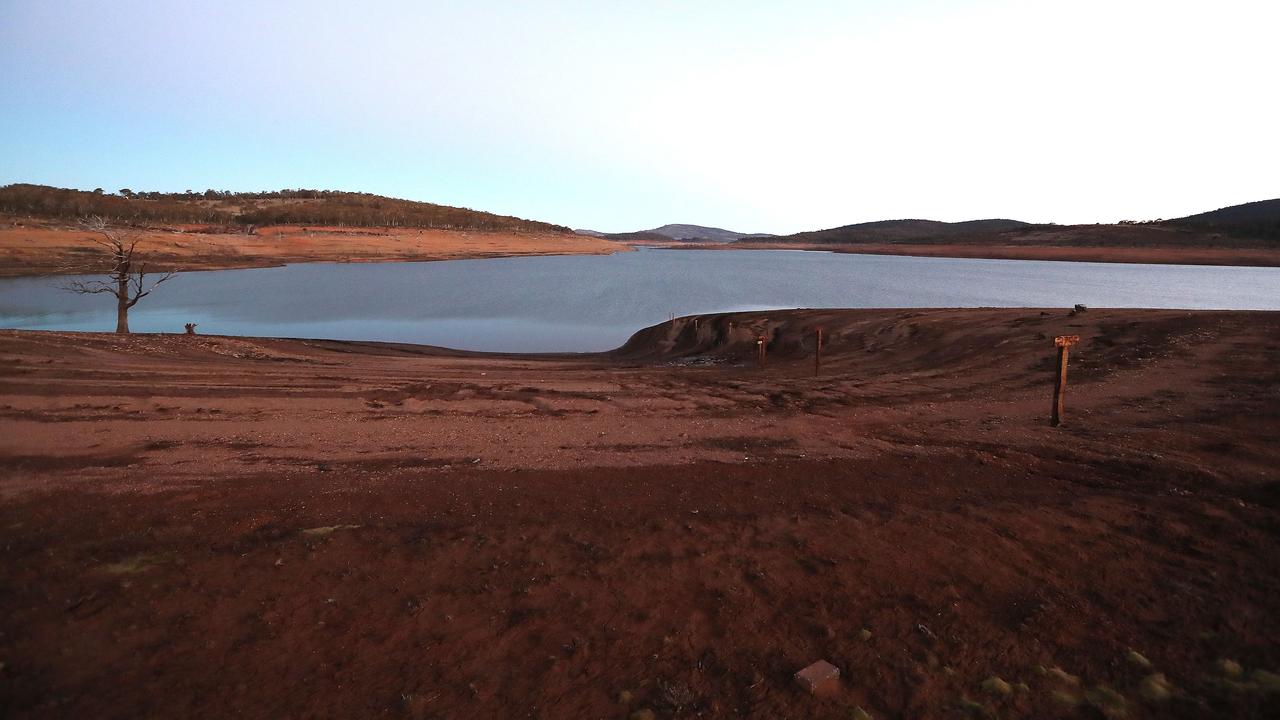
x,y
1216,257
1207,257
30,247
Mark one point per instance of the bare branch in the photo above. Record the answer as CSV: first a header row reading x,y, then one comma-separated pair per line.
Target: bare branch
x,y
137,280
124,280
112,238
90,287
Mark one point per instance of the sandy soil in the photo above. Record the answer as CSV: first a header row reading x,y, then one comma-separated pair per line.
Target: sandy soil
x,y
34,247
211,527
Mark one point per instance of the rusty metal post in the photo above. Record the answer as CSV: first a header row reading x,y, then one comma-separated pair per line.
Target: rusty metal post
x,y
817,351
1062,342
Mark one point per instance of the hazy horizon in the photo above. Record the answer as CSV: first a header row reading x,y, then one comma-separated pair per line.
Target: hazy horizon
x,y
735,115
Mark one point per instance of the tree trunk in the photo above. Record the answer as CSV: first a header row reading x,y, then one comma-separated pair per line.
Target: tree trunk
x,y
122,308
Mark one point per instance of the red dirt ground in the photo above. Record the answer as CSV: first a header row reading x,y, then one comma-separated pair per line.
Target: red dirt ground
x,y
212,527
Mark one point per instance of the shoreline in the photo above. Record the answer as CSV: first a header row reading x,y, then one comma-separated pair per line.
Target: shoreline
x,y
673,327
1209,256
33,249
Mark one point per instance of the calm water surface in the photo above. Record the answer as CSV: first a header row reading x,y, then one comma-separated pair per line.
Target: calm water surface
x,y
587,303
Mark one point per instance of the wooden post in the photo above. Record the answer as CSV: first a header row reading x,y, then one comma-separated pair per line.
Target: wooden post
x,y
817,351
1063,342
760,351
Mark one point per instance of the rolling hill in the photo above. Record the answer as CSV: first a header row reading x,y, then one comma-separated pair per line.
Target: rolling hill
x,y
280,207
889,231
1259,219
679,232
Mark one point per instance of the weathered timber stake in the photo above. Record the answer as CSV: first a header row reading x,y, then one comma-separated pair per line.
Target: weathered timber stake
x,y
760,351
817,351
1060,385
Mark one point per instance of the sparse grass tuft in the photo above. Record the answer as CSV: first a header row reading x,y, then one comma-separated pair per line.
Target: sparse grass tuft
x,y
1155,688
327,529
138,563
997,686
1138,659
1267,682
1107,701
1230,668
1057,674
1065,698
974,709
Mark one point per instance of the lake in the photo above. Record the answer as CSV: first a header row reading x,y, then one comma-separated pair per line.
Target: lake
x,y
595,302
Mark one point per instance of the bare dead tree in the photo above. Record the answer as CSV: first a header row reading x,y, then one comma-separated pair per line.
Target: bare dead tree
x,y
127,278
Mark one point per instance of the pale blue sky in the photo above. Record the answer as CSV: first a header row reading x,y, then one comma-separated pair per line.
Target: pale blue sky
x,y
771,117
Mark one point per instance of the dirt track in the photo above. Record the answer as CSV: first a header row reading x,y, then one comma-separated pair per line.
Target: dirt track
x,y
215,526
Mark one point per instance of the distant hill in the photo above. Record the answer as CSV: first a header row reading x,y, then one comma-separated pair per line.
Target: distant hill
x,y
891,231
679,232
1259,219
700,233
1234,235
280,207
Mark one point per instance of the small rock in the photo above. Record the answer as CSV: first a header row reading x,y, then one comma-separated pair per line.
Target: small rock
x,y
857,713
864,634
818,675
625,697
644,714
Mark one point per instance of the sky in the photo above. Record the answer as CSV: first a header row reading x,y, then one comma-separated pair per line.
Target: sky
x,y
618,116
